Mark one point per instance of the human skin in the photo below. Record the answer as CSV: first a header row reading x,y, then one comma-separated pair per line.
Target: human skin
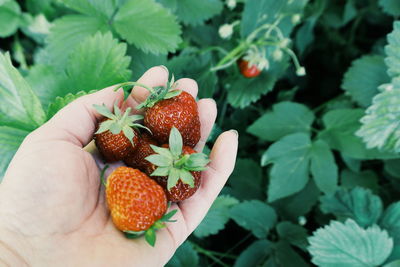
x,y
52,206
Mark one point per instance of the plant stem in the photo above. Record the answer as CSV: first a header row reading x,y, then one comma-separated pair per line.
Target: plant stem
x,y
209,254
151,90
235,53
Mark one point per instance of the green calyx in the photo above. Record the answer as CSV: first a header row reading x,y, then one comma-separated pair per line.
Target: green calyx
x,y
173,163
156,93
150,234
119,121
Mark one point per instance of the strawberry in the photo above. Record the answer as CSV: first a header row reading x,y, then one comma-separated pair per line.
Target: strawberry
x,y
143,150
117,135
137,203
178,167
166,108
248,70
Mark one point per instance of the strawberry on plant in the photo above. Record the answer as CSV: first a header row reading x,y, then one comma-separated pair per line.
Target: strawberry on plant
x,y
253,62
143,150
248,70
137,203
166,108
178,167
117,134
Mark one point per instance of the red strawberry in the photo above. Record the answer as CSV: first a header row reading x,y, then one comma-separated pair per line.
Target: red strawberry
x,y
179,167
167,108
116,136
143,150
248,70
137,203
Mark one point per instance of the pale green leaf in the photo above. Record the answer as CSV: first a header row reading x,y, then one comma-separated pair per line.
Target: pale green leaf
x,y
175,142
100,8
194,12
67,33
173,177
290,157
393,51
98,62
185,256
381,122
10,140
391,7
255,254
19,106
349,245
186,177
47,83
243,187
390,221
363,78
285,118
159,160
217,217
160,171
339,133
323,167
10,16
60,102
255,216
148,26
358,204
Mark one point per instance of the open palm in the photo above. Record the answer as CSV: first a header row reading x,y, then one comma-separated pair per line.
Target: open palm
x,y
52,206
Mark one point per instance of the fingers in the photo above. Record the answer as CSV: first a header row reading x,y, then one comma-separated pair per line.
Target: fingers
x,y
188,85
155,76
76,122
223,156
207,113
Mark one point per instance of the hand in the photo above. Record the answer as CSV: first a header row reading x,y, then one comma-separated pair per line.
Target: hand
x,y
52,206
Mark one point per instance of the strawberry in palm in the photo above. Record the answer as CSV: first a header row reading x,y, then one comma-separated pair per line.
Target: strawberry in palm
x,y
178,167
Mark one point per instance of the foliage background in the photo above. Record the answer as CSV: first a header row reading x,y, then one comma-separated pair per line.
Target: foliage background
x,y
317,180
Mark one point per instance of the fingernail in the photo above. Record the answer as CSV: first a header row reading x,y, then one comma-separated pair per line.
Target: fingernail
x,y
235,132
165,68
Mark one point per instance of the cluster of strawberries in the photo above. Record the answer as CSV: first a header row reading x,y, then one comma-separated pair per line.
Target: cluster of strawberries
x,y
163,166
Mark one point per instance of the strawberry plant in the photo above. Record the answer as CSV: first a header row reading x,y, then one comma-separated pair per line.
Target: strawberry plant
x,y
312,86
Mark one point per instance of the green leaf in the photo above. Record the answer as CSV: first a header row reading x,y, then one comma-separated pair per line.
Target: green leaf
x,y
185,256
19,106
363,78
255,216
285,255
285,118
339,133
395,263
96,63
393,167
160,171
367,179
173,178
197,162
148,26
348,245
393,51
244,188
246,91
217,217
100,8
323,167
390,222
143,61
61,102
10,140
292,233
150,237
358,204
47,83
175,142
10,16
391,7
162,151
186,177
194,12
290,157
255,254
67,33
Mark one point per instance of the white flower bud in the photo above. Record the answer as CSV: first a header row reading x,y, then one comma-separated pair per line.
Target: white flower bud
x,y
302,220
296,18
225,31
231,4
263,64
284,42
277,55
301,71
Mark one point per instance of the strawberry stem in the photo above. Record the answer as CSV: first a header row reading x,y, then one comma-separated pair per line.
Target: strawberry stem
x,y
103,181
150,89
